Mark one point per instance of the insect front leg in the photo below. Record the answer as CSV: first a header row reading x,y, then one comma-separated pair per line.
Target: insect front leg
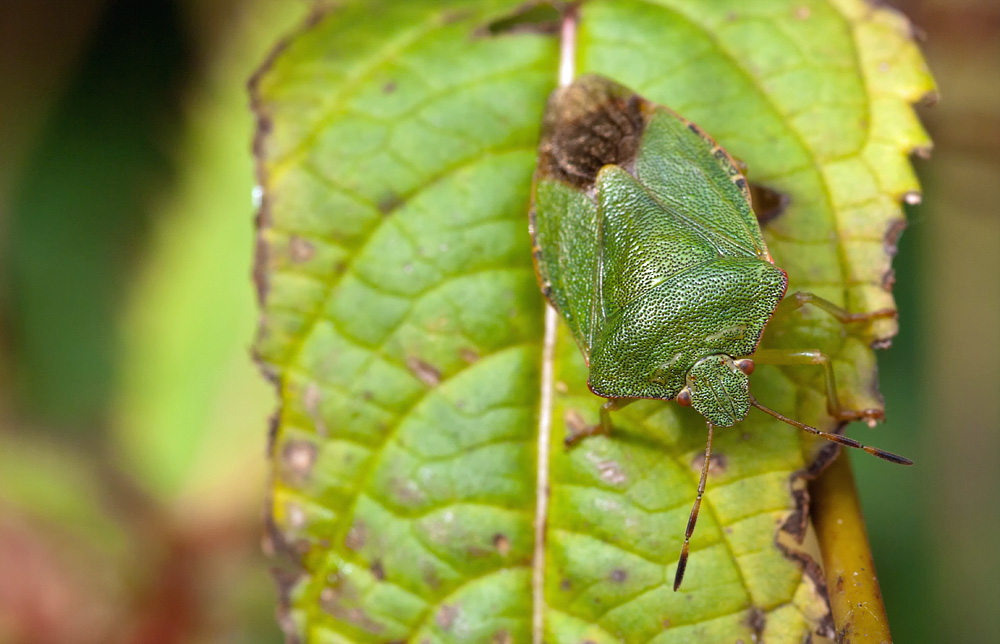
x,y
846,317
815,357
604,427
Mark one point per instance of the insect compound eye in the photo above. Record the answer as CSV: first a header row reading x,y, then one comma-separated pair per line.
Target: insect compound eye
x,y
745,365
684,397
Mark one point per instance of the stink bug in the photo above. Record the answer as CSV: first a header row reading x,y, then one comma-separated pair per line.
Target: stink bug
x,y
646,243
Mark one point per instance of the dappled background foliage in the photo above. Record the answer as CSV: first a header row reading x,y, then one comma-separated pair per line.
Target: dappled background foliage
x,y
132,424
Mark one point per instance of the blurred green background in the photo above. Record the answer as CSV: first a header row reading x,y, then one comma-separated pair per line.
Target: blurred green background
x,y
133,424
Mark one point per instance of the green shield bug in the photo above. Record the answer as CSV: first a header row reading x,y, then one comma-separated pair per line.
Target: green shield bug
x,y
646,243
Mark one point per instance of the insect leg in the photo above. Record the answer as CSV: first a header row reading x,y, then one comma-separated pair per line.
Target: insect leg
x,y
846,317
815,357
836,438
693,519
602,428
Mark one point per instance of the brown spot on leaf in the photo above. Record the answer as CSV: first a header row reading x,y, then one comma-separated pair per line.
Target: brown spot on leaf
x,y
261,272
273,423
447,615
610,470
502,637
356,536
502,544
618,575
311,399
378,572
469,355
756,621
768,204
298,458
529,18
797,522
574,422
341,599
888,280
300,249
426,373
592,123
389,87
717,466
891,239
388,203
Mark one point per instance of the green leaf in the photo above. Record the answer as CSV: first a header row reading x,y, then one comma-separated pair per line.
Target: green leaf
x,y
402,321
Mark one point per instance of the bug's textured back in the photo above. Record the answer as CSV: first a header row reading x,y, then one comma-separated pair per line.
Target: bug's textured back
x,y
645,240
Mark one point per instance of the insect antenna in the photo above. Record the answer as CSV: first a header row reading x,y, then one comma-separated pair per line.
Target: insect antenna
x,y
693,519
836,438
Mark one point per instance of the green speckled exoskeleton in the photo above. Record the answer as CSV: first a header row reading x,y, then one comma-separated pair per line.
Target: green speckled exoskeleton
x,y
646,243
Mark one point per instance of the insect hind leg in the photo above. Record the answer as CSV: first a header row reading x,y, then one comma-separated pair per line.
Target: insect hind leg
x,y
843,315
815,357
604,427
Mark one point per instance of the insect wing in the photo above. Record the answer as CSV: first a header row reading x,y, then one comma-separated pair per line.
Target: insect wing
x,y
697,180
563,223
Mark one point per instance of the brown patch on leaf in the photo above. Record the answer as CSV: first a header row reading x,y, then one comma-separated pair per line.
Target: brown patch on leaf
x,y
756,620
592,123
610,470
798,521
300,249
716,466
469,355
447,615
297,459
377,570
389,87
791,532
502,637
341,599
311,399
891,239
273,424
530,18
388,203
424,372
502,544
574,422
357,536
618,575
768,204
888,280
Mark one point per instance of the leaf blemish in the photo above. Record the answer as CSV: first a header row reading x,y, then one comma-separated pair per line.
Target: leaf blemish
x,y
756,620
502,544
618,575
388,203
610,471
447,615
298,457
389,87
300,250
378,572
424,372
356,536
296,516
716,466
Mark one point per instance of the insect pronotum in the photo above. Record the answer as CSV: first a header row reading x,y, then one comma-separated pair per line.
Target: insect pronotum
x,y
645,242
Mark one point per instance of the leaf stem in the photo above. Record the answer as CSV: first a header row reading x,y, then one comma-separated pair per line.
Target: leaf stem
x,y
855,599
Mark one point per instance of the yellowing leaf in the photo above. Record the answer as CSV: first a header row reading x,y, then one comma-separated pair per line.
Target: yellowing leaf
x,y
402,321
